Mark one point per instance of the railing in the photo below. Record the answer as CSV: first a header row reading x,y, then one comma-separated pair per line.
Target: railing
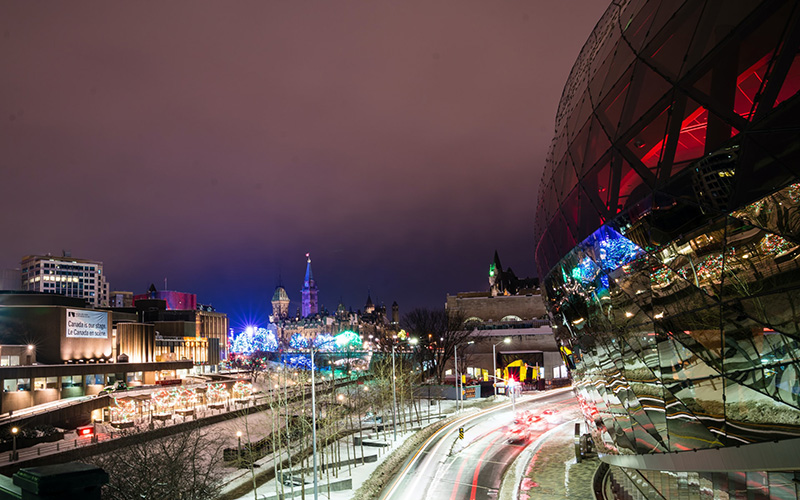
x,y
533,323
26,413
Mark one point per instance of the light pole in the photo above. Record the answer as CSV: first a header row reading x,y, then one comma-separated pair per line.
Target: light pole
x,y
458,379
239,447
455,363
414,341
394,396
506,340
314,423
14,431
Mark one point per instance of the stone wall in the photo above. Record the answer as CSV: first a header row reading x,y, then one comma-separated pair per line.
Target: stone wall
x,y
494,309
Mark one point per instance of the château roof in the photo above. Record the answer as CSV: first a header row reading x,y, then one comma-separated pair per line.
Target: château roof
x,y
280,294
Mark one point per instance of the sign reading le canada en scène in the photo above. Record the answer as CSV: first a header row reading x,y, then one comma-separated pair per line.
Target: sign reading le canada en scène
x,y
87,324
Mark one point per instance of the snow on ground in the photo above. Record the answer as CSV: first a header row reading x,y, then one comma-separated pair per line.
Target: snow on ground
x,y
359,473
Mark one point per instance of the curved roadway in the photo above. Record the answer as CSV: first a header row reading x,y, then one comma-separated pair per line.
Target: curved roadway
x,y
444,467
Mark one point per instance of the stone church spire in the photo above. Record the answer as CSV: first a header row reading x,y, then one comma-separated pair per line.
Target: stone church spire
x,y
309,292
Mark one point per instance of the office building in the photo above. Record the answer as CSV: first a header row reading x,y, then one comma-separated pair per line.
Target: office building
x,y
65,275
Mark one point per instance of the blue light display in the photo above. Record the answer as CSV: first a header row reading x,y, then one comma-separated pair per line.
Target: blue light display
x,y
611,251
298,342
614,250
325,342
295,361
254,339
585,271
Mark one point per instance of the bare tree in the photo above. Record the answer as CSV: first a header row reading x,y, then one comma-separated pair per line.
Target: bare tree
x,y
180,466
438,331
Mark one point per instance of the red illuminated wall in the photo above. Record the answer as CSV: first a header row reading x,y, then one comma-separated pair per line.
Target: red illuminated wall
x,y
176,301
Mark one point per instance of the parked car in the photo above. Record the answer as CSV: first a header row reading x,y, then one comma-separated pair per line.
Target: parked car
x,y
116,386
371,418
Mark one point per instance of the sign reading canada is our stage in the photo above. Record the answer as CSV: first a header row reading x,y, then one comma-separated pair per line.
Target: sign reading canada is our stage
x,y
87,324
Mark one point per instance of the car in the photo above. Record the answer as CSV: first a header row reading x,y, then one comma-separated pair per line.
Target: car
x,y
551,416
537,422
291,480
116,386
371,418
523,417
518,433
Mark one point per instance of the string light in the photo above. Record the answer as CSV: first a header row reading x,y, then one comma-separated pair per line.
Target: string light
x,y
164,401
124,410
216,393
242,390
298,342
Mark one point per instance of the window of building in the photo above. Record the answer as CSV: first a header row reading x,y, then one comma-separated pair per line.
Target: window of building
x,y
9,360
23,384
71,381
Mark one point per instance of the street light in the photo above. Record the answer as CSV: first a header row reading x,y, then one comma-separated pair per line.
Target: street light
x,y
455,358
239,448
394,396
506,340
314,423
14,431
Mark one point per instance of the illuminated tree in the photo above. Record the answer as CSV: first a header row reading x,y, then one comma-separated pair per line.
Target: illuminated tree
x,y
253,340
348,340
298,342
325,342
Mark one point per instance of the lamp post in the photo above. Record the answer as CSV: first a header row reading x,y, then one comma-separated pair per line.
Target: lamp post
x,y
394,397
455,364
414,341
314,424
506,340
239,447
458,379
14,431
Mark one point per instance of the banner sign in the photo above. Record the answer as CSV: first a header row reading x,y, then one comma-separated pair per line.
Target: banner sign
x,y
87,324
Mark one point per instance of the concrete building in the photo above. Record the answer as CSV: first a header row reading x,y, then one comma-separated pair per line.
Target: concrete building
x,y
178,301
120,299
53,347
482,307
10,279
668,243
65,275
512,308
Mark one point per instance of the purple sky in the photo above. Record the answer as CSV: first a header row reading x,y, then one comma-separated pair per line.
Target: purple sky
x,y
215,143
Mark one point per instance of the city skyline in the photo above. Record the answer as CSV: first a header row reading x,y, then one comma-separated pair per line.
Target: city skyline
x,y
215,147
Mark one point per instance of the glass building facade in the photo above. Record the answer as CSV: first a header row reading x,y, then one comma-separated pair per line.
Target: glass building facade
x,y
668,237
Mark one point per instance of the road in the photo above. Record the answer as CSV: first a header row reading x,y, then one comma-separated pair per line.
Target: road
x,y
445,467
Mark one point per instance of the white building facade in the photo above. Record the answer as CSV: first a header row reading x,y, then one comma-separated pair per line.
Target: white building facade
x,y
66,276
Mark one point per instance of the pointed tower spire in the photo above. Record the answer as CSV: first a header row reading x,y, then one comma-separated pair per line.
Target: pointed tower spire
x,y
309,274
309,292
495,272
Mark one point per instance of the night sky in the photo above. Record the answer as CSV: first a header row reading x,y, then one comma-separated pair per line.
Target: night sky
x,y
215,143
